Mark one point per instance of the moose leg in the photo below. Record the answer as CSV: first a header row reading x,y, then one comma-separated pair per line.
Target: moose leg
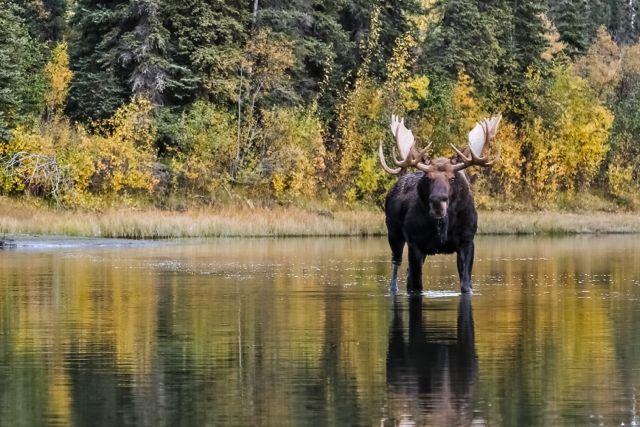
x,y
397,245
414,278
465,264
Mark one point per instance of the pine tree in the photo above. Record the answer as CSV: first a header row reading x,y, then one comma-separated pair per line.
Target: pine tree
x,y
100,83
524,42
570,19
144,53
465,40
22,57
122,49
206,38
322,46
529,41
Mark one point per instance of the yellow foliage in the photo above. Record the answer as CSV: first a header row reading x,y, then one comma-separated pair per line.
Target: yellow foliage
x,y
620,180
295,154
206,149
58,76
466,106
601,66
404,91
124,155
568,146
359,128
508,168
413,92
65,163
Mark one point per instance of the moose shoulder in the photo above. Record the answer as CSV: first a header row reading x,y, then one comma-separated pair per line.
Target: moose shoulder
x,y
432,211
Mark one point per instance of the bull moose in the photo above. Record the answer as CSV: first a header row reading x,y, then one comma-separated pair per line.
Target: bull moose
x,y
432,210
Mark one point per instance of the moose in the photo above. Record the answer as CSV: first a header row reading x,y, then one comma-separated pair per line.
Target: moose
x,y
432,210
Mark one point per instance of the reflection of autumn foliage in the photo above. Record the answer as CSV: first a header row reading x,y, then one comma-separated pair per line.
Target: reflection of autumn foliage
x,y
277,329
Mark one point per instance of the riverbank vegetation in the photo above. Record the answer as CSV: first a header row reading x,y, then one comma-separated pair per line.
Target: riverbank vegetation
x,y
20,218
164,106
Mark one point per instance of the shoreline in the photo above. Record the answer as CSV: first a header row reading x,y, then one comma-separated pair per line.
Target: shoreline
x,y
233,221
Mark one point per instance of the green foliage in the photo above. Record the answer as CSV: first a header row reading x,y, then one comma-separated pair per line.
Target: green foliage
x,y
21,81
288,101
295,157
572,24
205,150
465,40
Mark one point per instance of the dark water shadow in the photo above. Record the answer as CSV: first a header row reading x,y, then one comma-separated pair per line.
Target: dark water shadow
x,y
430,381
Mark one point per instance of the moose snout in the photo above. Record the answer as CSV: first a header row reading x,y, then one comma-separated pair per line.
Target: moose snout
x,y
439,205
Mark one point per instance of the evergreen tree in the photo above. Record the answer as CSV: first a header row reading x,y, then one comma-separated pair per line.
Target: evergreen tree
x,y
529,41
122,49
21,81
322,46
206,38
524,42
100,83
465,40
144,53
570,18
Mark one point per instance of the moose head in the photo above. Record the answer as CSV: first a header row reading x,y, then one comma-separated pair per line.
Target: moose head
x,y
440,171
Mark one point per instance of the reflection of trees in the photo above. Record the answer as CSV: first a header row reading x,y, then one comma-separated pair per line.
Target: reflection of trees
x,y
430,381
299,330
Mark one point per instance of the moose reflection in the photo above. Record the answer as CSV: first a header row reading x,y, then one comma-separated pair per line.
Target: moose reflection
x,y
430,381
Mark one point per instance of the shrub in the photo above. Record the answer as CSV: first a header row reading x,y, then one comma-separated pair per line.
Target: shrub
x,y
64,163
205,150
568,142
295,156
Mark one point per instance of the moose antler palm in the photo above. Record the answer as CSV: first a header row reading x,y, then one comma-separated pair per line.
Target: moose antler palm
x,y
410,155
482,134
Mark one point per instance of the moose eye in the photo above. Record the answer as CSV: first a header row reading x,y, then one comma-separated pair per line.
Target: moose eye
x,y
452,179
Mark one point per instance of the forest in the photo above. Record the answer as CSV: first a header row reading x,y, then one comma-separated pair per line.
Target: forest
x,y
181,103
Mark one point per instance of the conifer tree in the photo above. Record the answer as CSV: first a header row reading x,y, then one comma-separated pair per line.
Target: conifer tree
x,y
465,40
100,83
21,82
570,18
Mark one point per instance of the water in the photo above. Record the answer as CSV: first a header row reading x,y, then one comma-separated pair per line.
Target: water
x,y
303,331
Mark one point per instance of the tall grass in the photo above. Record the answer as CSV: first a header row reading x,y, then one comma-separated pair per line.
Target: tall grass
x,y
231,221
241,221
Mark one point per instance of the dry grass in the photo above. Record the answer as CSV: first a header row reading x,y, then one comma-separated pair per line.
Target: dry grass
x,y
152,224
558,222
24,218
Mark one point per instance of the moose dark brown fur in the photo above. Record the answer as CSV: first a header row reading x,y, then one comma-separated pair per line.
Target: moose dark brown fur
x,y
432,211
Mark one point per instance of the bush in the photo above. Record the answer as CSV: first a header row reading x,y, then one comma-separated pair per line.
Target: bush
x,y
205,150
64,163
295,154
568,142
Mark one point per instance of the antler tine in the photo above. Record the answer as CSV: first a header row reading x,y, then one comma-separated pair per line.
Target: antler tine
x,y
386,168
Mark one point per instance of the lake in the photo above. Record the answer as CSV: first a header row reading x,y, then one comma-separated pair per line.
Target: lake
x,y
304,331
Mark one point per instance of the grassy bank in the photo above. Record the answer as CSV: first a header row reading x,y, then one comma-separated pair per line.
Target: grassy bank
x,y
23,218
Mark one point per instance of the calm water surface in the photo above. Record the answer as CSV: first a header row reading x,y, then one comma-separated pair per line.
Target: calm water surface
x,y
303,331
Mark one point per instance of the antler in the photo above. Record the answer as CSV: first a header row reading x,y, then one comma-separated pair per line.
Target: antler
x,y
410,156
484,132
